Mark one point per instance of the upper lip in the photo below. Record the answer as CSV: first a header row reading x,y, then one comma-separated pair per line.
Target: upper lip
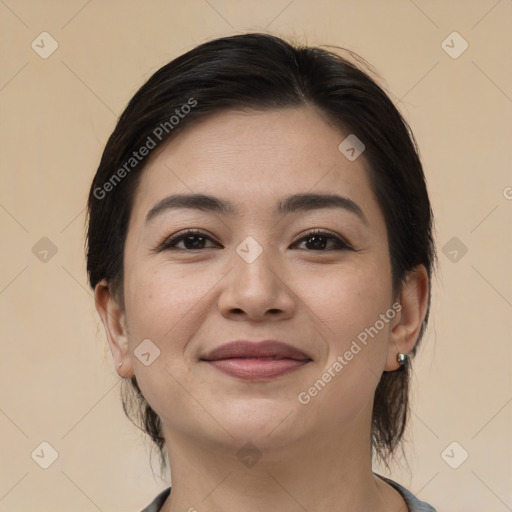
x,y
255,349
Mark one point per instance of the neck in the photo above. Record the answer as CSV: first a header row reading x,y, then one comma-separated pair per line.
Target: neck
x,y
321,472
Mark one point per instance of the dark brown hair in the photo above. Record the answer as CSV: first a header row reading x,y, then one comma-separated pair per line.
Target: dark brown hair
x,y
263,72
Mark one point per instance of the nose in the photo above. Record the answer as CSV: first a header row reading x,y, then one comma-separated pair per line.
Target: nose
x,y
257,291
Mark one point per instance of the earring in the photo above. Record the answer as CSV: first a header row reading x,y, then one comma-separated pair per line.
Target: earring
x,y
402,359
120,364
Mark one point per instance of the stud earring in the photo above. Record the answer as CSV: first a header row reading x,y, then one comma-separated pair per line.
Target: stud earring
x,y
120,364
402,359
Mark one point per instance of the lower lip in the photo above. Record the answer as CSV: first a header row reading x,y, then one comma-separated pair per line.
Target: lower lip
x,y
257,369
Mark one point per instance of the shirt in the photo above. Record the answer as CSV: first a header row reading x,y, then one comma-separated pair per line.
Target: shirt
x,y
413,503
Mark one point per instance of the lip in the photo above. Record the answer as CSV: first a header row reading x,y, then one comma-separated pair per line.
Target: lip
x,y
260,360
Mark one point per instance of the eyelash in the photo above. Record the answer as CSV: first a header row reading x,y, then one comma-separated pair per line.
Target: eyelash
x,y
170,243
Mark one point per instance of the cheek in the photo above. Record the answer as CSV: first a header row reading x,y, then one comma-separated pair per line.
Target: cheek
x,y
350,298
349,304
162,304
159,297
348,309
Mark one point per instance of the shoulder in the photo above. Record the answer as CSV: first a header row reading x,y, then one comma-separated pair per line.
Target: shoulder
x,y
157,503
413,503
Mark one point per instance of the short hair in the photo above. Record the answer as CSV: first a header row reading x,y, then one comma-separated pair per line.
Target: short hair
x,y
262,72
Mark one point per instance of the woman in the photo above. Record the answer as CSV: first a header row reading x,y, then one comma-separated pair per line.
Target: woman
x,y
260,247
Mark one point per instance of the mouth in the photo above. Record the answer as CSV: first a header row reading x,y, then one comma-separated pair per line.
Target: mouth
x,y
256,360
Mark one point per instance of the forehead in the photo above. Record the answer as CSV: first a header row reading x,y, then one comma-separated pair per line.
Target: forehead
x,y
253,159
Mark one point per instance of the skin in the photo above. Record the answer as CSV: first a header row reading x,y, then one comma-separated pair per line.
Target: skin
x,y
315,456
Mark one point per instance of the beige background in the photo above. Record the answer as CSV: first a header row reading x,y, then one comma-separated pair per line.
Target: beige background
x,y
58,383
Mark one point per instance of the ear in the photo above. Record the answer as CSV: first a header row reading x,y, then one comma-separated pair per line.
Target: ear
x,y
406,325
114,322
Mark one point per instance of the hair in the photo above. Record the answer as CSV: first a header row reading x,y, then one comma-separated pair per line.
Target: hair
x,y
262,72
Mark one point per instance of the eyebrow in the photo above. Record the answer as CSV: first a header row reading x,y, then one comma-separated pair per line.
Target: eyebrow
x,y
291,204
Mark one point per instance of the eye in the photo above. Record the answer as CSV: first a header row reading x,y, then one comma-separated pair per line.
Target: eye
x,y
192,240
317,239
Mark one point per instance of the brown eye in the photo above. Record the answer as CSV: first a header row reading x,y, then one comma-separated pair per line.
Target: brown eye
x,y
192,240
318,240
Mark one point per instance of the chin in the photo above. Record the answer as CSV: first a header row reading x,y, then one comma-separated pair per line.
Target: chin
x,y
265,422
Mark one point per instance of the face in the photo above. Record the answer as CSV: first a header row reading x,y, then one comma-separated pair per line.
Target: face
x,y
256,273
